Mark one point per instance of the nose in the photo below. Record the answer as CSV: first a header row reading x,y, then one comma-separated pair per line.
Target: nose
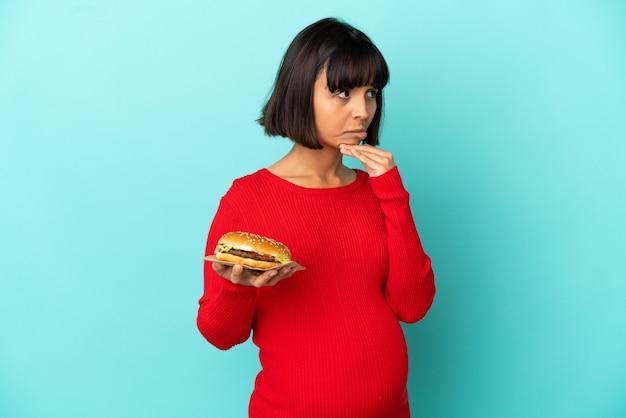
x,y
360,107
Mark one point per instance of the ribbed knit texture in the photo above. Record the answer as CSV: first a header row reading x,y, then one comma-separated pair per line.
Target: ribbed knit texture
x,y
330,342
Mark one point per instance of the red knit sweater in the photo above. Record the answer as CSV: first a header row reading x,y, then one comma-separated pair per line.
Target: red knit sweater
x,y
330,342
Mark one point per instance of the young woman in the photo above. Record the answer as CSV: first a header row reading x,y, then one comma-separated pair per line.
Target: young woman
x,y
330,342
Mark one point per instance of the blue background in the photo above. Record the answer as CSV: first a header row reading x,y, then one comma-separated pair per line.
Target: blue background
x,y
123,122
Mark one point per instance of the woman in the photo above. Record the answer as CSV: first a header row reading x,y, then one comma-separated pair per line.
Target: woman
x,y
330,342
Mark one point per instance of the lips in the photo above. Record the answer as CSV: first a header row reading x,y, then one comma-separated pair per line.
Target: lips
x,y
360,133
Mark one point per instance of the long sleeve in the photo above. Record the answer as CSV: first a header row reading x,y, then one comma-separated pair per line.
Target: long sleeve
x,y
410,287
226,309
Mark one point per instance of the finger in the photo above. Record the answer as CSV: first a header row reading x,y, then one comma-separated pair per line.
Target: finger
x,y
274,280
376,161
360,152
263,279
354,153
373,166
362,147
373,153
346,150
219,268
236,274
274,276
223,270
283,273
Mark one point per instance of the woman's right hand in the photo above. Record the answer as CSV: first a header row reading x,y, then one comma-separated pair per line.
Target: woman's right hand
x,y
246,277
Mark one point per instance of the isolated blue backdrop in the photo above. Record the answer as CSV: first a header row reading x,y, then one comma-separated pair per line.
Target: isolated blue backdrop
x,y
123,122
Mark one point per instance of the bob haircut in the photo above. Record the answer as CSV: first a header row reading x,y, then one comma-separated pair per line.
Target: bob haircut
x,y
350,60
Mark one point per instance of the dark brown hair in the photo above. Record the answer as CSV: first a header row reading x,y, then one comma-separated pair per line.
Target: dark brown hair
x,y
350,60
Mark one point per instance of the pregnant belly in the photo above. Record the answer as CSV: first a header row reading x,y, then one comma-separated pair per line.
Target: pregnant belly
x,y
349,366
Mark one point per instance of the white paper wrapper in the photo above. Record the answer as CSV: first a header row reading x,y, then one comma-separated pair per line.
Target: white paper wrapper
x,y
212,259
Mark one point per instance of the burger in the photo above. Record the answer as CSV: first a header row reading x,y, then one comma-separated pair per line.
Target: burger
x,y
251,250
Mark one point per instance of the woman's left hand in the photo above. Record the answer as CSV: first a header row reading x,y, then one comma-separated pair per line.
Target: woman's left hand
x,y
376,161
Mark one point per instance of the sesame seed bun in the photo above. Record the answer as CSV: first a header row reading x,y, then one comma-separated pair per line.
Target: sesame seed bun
x,y
251,250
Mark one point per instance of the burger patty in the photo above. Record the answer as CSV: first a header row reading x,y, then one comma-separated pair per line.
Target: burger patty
x,y
252,255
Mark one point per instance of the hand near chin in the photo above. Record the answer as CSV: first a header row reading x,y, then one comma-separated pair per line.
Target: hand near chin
x,y
246,277
375,160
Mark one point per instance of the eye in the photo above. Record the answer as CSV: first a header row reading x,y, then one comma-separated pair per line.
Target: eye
x,y
343,94
372,93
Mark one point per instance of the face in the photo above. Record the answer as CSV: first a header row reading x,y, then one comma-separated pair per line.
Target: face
x,y
342,117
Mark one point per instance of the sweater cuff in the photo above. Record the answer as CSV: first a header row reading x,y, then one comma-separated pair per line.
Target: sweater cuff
x,y
389,185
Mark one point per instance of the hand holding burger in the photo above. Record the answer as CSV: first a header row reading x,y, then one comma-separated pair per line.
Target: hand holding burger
x,y
251,256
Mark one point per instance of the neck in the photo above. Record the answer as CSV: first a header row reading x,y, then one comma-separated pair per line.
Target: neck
x,y
313,168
